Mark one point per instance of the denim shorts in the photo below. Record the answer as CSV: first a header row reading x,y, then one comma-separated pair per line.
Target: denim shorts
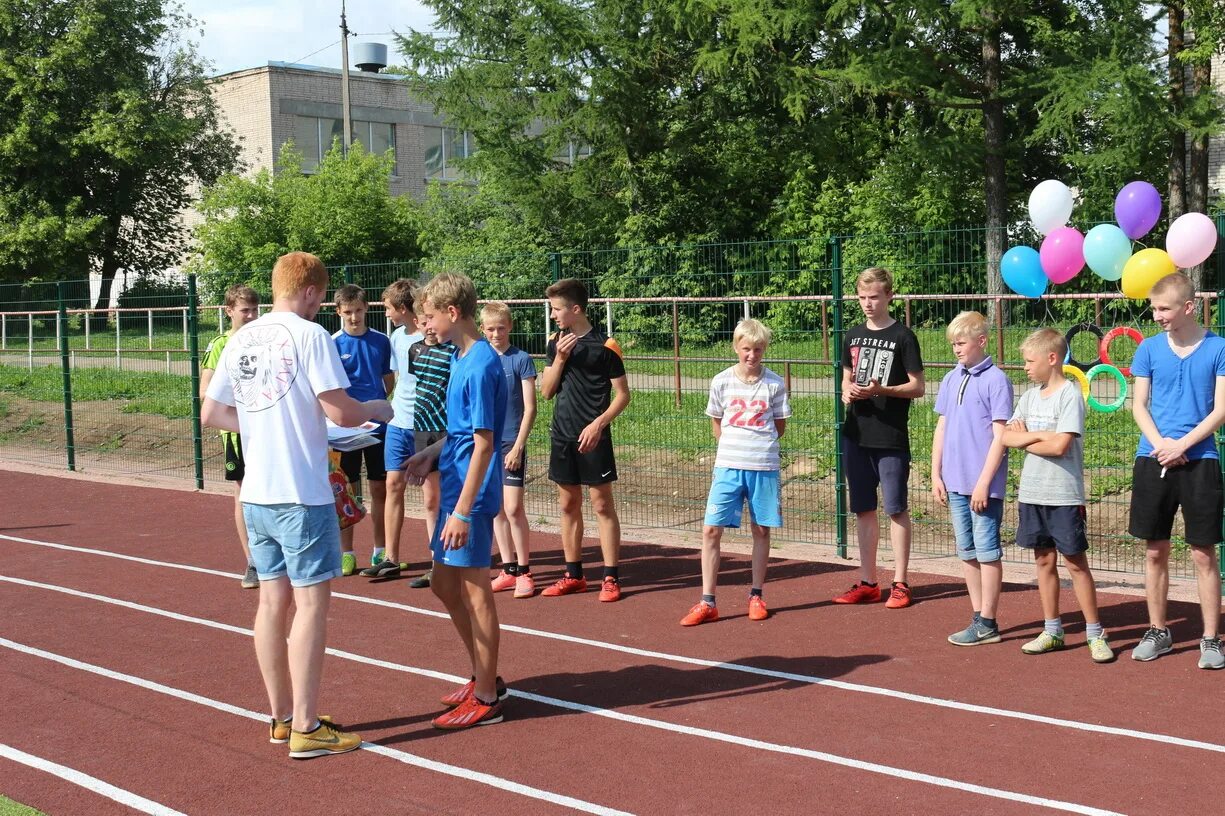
x,y
473,554
729,487
397,447
301,541
977,534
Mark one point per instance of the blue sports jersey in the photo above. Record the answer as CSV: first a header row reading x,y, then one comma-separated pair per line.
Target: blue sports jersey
x,y
517,365
1182,389
367,359
476,400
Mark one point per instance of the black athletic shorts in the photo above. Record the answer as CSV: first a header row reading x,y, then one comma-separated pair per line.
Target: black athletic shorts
x,y
235,467
1195,487
569,467
513,478
376,467
1045,526
423,439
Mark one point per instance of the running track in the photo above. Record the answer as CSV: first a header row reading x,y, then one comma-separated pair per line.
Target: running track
x,y
130,686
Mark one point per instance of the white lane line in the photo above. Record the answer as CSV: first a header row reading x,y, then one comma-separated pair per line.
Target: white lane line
x,y
90,783
808,679
719,736
392,753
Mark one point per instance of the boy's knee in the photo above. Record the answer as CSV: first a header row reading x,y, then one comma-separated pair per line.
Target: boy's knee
x,y
1204,557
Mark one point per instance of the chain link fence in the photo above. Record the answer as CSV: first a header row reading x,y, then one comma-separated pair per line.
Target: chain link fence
x,y
112,390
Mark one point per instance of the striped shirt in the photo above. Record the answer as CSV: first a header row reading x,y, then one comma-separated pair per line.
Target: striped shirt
x,y
431,365
746,413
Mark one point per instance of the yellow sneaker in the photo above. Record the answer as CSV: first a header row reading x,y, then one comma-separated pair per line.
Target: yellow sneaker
x,y
1100,650
324,740
278,730
348,564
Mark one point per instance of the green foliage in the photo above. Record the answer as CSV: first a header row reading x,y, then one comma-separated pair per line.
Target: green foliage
x,y
344,213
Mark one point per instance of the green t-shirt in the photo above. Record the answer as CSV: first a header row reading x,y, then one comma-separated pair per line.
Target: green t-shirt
x,y
212,356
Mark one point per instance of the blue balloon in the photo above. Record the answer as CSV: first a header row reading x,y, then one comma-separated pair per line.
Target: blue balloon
x,y
1107,249
1021,268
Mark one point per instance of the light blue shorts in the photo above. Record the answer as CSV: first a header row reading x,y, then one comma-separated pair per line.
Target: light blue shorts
x,y
398,446
977,534
298,540
473,554
729,487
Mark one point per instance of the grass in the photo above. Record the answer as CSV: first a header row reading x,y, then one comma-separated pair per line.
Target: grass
x,y
148,392
10,808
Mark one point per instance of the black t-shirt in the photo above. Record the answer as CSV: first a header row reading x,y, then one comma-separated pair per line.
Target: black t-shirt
x,y
888,356
586,383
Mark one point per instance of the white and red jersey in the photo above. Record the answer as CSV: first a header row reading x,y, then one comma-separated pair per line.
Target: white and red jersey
x,y
746,412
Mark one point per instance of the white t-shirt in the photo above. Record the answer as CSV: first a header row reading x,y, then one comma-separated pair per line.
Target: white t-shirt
x,y
271,370
404,398
746,414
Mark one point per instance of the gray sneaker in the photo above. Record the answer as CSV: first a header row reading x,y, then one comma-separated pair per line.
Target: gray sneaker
x,y
976,634
1155,643
250,579
1210,656
422,581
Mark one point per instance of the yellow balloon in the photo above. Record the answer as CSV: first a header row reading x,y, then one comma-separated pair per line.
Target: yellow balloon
x,y
1144,269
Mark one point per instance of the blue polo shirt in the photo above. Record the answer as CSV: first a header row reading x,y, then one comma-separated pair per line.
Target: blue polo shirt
x,y
1182,388
476,400
971,400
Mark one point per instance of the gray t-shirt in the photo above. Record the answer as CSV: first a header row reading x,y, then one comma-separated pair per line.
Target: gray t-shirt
x,y
1054,480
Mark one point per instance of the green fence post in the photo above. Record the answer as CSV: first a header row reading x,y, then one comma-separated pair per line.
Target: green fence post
x,y
839,410
66,368
1220,329
193,346
555,265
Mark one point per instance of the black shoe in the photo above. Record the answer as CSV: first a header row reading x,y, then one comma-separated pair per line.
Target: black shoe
x,y
383,569
422,581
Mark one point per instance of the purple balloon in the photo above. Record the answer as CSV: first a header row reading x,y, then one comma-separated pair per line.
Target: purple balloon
x,y
1137,208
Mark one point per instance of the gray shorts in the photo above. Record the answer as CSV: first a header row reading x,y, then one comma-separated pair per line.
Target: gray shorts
x,y
869,468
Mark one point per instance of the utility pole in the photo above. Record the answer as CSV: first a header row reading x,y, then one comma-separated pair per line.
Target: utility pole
x,y
344,80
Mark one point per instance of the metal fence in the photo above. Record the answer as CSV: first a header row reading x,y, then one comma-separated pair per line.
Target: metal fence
x,y
112,390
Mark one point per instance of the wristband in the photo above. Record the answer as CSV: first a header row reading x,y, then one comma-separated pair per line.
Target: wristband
x,y
461,517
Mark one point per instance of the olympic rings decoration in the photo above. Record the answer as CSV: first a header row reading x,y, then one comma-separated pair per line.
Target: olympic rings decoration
x,y
1111,371
1103,348
1078,329
1074,373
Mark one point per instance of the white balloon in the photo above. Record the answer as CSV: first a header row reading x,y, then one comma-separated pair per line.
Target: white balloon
x,y
1050,206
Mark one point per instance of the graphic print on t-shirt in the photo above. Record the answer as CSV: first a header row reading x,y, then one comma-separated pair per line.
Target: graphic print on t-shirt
x,y
264,367
872,362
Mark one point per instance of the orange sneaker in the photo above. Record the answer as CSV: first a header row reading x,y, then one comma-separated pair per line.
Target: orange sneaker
x,y
701,612
471,712
525,585
757,608
899,596
503,581
566,586
860,593
610,590
465,691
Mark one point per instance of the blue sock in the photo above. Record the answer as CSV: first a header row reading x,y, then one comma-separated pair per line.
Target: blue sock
x,y
977,617
1094,630
987,622
1053,626
709,600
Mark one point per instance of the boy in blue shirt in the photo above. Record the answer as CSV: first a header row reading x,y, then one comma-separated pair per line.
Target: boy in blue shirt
x,y
469,461
510,528
366,356
1179,403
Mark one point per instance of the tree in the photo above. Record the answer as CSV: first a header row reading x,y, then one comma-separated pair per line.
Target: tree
x,y
106,127
344,213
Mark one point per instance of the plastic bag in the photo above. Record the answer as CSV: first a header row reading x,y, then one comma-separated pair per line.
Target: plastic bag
x,y
349,510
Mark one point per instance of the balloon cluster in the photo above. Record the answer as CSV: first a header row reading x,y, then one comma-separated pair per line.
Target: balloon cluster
x,y
1106,248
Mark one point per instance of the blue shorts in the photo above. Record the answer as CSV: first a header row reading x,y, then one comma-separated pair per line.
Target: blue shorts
x,y
298,540
397,447
729,487
1043,527
869,468
473,554
977,534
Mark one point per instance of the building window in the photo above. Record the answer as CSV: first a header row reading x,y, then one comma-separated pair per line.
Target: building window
x,y
315,136
571,152
443,147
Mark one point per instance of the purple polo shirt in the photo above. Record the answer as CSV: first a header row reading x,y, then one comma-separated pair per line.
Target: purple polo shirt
x,y
970,400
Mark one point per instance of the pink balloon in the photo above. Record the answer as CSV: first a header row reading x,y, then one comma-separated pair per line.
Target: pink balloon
x,y
1191,239
1062,254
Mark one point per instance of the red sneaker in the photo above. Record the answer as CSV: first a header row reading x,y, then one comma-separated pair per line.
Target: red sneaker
x,y
503,581
525,585
701,612
465,691
757,608
610,590
468,714
566,586
860,593
899,596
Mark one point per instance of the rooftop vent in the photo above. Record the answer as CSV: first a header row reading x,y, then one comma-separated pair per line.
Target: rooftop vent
x,y
370,57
